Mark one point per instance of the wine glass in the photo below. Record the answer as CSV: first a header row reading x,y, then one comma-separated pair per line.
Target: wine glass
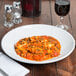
x,y
62,8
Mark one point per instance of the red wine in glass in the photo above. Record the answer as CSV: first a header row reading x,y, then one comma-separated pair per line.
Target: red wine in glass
x,y
62,7
31,8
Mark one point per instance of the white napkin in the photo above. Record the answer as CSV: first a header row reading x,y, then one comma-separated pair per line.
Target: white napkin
x,y
9,67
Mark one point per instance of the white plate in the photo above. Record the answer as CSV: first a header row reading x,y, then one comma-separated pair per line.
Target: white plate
x,y
66,40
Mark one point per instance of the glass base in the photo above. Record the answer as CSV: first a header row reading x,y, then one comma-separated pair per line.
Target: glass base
x,y
64,27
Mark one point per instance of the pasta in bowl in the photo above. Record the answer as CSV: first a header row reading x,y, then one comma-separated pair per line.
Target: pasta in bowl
x,y
42,33
38,48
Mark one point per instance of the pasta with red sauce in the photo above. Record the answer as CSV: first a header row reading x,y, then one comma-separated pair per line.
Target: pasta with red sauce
x,y
38,48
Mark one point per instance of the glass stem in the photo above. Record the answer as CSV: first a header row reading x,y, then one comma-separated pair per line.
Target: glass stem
x,y
61,20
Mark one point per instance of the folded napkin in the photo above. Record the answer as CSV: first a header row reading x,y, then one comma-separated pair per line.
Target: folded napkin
x,y
9,67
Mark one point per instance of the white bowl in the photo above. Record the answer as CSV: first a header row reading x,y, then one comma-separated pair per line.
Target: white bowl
x,y
66,40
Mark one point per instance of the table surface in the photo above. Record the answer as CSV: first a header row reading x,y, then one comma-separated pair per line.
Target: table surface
x,y
65,67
